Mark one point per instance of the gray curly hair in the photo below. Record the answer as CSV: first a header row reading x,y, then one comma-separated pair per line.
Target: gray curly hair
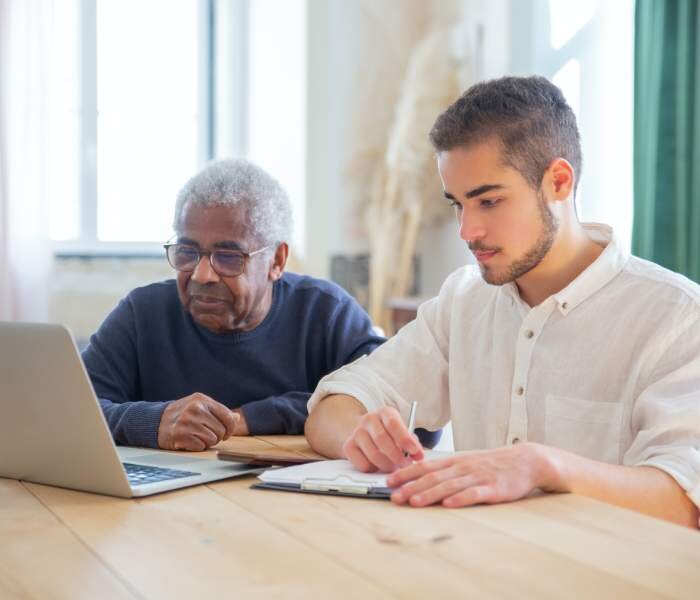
x,y
240,183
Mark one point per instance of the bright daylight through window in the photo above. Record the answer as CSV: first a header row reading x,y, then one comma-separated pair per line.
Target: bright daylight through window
x,y
127,118
145,93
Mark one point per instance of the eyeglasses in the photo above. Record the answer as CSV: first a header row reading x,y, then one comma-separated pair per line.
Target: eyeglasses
x,y
227,263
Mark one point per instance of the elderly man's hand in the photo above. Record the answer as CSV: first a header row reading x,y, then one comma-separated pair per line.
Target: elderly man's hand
x,y
241,424
196,422
488,477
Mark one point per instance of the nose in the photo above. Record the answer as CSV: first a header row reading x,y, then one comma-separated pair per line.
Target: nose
x,y
204,272
470,228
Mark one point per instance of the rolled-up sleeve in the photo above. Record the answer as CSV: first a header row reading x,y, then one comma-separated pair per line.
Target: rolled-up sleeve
x,y
410,366
666,415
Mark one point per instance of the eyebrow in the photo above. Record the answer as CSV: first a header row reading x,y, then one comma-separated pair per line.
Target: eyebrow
x,y
226,245
482,189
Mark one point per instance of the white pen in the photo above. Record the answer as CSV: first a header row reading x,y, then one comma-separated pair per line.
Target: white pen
x,y
411,420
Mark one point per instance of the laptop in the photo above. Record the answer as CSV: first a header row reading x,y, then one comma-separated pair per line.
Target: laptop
x,y
52,429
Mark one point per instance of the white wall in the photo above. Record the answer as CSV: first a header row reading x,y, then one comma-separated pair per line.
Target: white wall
x,y
83,291
346,61
341,38
338,39
486,51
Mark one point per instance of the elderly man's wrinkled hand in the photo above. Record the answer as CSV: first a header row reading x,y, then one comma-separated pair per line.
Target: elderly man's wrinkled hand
x,y
489,477
195,422
241,427
382,442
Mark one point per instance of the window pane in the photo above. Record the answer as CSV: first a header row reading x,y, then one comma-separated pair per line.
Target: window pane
x,y
567,18
276,130
148,117
64,184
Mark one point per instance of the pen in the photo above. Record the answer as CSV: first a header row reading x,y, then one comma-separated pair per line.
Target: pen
x,y
411,420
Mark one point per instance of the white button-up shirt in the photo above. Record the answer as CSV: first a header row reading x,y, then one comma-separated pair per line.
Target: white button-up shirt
x,y
608,368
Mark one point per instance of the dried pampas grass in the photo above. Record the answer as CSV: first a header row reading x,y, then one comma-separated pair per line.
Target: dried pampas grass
x,y
405,191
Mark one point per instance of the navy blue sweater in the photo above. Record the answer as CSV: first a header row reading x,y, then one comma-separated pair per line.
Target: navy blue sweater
x,y
150,351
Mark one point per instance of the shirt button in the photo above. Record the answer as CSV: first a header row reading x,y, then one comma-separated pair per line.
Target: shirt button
x,y
565,305
529,333
520,390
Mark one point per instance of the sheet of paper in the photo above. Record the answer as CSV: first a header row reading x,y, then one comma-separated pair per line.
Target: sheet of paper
x,y
327,470
337,471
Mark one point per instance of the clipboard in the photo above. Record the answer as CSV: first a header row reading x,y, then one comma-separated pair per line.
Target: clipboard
x,y
372,493
329,477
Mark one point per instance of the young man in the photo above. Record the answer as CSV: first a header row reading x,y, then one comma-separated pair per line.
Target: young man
x,y
564,365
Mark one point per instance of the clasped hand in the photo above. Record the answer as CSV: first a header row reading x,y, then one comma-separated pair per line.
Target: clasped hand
x,y
197,422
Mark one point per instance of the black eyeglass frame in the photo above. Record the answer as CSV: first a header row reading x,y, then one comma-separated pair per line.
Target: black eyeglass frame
x,y
210,253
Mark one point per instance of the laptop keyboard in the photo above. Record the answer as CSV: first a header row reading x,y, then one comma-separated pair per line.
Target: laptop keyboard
x,y
142,474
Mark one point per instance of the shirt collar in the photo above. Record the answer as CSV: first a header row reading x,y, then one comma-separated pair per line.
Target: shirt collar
x,y
610,262
602,270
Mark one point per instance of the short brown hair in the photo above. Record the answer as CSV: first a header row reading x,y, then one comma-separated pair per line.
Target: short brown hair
x,y
530,117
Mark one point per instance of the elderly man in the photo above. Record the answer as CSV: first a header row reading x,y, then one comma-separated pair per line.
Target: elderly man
x,y
234,345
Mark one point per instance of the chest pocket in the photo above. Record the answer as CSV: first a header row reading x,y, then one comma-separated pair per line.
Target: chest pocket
x,y
590,429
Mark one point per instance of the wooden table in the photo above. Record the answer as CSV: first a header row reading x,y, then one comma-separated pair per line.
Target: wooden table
x,y
225,540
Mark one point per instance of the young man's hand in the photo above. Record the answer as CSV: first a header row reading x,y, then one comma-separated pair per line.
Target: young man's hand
x,y
490,477
380,441
196,422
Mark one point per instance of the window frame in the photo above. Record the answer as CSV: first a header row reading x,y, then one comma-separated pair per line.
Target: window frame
x,y
223,54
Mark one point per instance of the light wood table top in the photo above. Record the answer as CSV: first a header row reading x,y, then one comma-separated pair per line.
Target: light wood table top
x,y
224,540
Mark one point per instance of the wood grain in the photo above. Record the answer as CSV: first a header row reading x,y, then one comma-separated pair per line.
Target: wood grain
x,y
42,558
432,551
193,543
227,540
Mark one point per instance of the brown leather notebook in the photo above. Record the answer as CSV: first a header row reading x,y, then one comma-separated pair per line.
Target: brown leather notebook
x,y
266,459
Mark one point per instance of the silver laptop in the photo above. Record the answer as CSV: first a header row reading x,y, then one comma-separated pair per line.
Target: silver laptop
x,y
52,429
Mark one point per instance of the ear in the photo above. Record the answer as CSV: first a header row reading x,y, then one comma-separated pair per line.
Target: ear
x,y
278,262
559,179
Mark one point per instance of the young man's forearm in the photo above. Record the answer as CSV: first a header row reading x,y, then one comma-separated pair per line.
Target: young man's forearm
x,y
644,489
331,422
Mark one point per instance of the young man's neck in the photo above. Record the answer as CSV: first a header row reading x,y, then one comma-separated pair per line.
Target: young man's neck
x,y
571,254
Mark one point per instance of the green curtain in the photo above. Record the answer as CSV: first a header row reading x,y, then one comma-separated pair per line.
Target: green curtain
x,y
667,134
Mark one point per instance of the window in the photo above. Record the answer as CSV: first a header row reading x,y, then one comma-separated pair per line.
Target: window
x,y
277,98
148,92
589,54
149,114
128,122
